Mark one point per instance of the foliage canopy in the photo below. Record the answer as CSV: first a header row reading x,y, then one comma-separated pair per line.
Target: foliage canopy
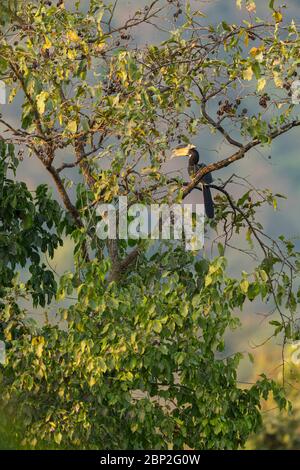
x,y
137,360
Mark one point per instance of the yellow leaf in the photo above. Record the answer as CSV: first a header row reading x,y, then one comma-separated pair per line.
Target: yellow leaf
x,y
277,16
92,381
239,4
73,36
206,310
47,44
8,335
41,101
263,275
129,376
260,57
134,427
257,52
251,7
244,286
248,74
39,350
261,84
278,80
12,95
246,39
254,51
72,127
100,46
33,442
72,54
58,438
38,342
40,373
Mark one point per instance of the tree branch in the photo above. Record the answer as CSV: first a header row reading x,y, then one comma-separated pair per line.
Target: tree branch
x,y
216,124
235,157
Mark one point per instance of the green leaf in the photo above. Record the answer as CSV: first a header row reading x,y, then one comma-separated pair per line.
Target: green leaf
x,y
226,26
58,437
157,326
256,69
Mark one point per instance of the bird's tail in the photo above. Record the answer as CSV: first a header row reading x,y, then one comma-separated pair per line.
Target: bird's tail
x,y
208,202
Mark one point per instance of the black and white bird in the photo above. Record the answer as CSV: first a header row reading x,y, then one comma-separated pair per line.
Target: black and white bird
x,y
193,167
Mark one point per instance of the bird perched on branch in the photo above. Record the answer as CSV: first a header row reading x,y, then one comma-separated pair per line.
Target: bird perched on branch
x,y
193,167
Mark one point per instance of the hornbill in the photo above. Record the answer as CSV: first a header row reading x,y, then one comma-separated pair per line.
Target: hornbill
x,y
193,167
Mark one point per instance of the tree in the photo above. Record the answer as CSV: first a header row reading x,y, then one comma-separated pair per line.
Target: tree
x,y
281,430
135,363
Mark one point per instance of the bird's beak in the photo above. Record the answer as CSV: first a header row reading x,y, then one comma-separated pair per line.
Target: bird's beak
x,y
180,152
